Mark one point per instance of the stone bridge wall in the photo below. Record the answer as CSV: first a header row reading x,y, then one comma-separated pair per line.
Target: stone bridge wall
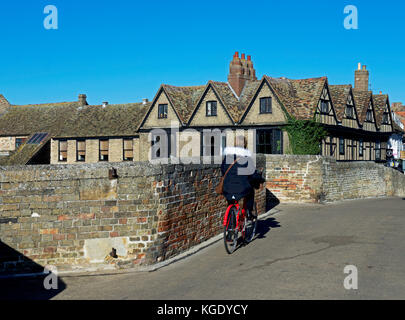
x,y
293,178
73,215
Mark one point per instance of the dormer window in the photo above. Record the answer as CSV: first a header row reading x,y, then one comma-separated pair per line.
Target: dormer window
x,y
211,109
385,118
369,116
265,105
162,111
324,107
350,112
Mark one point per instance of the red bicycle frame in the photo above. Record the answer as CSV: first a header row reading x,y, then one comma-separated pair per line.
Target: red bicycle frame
x,y
240,217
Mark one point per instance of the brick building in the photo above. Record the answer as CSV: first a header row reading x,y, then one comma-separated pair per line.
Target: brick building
x,y
359,123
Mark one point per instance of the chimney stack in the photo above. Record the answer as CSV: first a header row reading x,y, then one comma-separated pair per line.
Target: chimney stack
x,y
82,100
145,101
240,70
361,77
105,103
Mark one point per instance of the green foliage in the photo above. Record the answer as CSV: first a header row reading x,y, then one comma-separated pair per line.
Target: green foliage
x,y
305,136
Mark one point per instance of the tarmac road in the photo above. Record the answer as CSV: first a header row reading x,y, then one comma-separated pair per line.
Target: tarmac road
x,y
300,253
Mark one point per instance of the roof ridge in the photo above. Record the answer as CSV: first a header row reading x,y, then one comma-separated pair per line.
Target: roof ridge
x,y
44,104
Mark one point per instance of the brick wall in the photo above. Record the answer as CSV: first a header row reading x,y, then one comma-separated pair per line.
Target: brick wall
x,y
73,215
293,178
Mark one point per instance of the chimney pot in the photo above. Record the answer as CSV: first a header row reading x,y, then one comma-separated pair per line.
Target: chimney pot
x,y
236,55
144,101
105,103
82,99
359,66
249,58
240,71
364,67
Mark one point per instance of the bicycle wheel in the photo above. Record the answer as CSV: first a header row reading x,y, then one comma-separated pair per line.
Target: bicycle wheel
x,y
251,226
230,231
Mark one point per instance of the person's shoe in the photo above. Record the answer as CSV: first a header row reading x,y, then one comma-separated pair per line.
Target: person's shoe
x,y
251,216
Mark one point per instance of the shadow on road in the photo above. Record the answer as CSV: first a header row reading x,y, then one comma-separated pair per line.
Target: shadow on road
x,y
14,286
264,226
28,288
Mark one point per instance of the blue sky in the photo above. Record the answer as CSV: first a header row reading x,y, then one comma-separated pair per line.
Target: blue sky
x,y
121,51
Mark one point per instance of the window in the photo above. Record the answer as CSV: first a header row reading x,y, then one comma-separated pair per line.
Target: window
x,y
81,150
19,142
349,112
269,141
162,111
332,149
156,155
161,145
223,144
378,150
341,146
62,150
369,115
265,105
361,148
103,147
385,118
354,151
211,109
213,143
324,107
128,146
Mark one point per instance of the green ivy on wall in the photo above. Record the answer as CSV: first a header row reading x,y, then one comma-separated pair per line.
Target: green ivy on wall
x,y
305,136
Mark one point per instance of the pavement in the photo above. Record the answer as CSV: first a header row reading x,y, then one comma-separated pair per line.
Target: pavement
x,y
301,252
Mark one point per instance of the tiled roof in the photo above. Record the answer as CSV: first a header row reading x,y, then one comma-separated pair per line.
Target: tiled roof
x,y
380,102
228,97
247,94
339,95
236,106
3,100
27,119
361,100
397,106
99,121
183,99
299,97
400,114
71,120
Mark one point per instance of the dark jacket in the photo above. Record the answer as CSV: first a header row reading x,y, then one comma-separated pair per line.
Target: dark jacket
x,y
243,176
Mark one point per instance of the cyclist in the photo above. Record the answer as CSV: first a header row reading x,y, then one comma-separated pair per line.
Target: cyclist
x,y
242,178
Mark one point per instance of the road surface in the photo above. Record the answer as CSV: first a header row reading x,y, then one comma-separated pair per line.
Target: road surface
x,y
300,253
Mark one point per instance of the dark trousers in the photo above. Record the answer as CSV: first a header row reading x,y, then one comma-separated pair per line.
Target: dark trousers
x,y
249,201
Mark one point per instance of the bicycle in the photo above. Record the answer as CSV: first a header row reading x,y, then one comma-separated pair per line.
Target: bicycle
x,y
235,222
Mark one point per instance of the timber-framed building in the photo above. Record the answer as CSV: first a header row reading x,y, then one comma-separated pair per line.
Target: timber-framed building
x,y
359,123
